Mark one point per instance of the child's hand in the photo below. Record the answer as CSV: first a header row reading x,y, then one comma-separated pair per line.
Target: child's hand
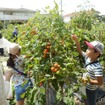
x,y
84,81
74,37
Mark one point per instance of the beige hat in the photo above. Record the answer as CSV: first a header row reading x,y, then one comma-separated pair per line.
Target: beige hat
x,y
14,48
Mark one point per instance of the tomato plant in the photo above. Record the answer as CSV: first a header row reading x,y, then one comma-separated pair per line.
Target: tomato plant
x,y
51,55
50,50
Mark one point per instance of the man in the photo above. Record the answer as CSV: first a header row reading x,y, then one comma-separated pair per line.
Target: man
x,y
15,33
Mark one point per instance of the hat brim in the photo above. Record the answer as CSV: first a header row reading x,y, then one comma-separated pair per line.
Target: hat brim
x,y
89,44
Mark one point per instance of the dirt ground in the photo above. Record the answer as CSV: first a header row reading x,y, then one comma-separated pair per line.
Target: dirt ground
x,y
101,101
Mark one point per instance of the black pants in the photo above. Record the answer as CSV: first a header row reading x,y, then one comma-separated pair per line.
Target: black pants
x,y
1,51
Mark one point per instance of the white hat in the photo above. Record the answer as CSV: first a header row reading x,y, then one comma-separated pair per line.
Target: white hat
x,y
4,43
14,48
98,46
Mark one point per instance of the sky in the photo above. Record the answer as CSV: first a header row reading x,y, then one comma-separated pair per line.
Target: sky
x,y
68,6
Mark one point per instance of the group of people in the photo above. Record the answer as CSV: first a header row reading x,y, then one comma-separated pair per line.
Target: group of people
x,y
94,69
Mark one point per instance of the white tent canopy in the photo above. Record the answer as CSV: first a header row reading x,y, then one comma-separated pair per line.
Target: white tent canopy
x,y
4,43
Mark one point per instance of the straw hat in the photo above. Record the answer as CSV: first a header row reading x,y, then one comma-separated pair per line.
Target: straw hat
x,y
14,48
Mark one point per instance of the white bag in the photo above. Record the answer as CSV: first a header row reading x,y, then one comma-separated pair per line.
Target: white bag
x,y
3,100
83,90
8,89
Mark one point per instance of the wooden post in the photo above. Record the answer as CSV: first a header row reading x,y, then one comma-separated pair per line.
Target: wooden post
x,y
50,94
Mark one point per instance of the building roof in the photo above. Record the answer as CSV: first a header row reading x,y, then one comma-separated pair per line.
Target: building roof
x,y
18,9
71,14
77,13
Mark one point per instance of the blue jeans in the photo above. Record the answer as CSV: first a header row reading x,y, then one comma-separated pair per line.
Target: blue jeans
x,y
91,97
20,91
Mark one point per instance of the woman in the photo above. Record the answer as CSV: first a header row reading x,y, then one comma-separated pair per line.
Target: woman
x,y
16,63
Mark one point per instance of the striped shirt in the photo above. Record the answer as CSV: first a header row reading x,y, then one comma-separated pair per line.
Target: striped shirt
x,y
94,70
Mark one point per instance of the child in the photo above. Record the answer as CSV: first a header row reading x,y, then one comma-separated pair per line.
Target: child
x,y
94,70
16,62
